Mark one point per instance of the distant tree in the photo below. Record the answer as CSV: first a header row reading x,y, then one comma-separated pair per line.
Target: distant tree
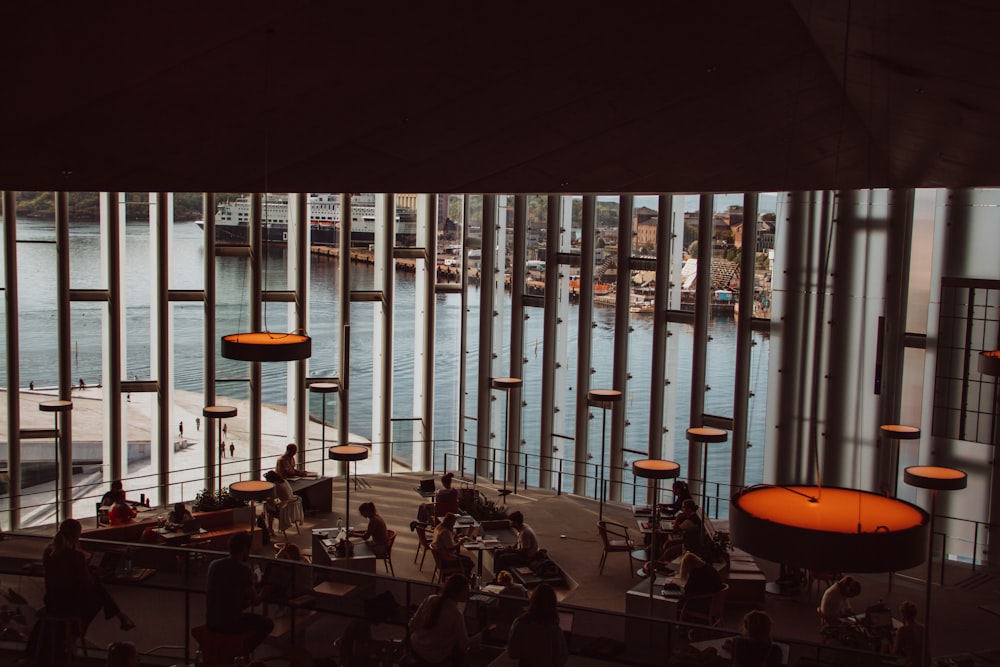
x,y
693,248
768,217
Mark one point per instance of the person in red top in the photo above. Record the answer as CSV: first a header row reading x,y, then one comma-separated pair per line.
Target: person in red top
x,y
121,512
446,499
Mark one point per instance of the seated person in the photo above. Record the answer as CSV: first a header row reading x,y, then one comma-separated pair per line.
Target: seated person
x,y
447,545
376,534
700,578
755,648
121,512
108,499
438,634
282,495
909,641
178,516
521,553
286,464
836,602
510,587
681,493
446,499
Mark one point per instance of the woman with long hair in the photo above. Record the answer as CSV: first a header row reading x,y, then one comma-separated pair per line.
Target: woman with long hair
x,y
536,640
437,628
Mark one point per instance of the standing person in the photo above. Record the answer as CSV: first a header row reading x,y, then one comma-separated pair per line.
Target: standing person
x,y
225,430
755,648
222,449
446,544
836,602
286,464
229,590
197,423
909,641
232,449
535,639
180,429
376,534
437,629
523,552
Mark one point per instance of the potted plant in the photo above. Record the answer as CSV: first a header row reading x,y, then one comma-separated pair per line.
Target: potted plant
x,y
208,500
719,546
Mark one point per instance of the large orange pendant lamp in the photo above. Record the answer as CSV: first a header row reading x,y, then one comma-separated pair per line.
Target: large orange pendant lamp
x,y
267,346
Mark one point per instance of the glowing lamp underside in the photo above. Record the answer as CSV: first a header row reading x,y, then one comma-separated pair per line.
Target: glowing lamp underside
x,y
844,530
266,346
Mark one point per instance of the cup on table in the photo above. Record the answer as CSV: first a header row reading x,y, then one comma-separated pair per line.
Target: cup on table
x,y
161,521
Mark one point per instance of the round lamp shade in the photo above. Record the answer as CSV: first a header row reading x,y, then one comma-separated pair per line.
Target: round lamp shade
x,y
55,406
218,411
829,529
656,469
706,434
900,432
935,477
989,363
506,383
349,453
603,397
252,490
266,346
324,387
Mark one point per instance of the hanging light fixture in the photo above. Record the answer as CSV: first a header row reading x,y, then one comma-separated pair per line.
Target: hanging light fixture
x,y
267,346
828,528
989,363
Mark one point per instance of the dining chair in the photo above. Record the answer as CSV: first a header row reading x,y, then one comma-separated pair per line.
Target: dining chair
x,y
291,514
695,614
423,541
616,539
387,558
444,568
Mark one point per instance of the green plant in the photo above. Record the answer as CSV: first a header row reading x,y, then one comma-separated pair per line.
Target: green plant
x,y
481,508
720,546
208,500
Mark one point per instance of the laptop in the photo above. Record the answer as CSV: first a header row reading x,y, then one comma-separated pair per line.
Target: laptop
x,y
426,488
191,526
473,532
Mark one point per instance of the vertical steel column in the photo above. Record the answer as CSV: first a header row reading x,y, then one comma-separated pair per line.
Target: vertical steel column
x,y
702,304
463,336
429,323
13,359
897,269
619,381
208,340
162,441
64,497
344,301
517,317
550,316
744,338
384,366
257,251
111,236
585,338
487,303
661,299
299,239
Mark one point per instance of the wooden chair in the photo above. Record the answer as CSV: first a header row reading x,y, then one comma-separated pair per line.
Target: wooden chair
x,y
823,580
220,649
423,542
616,539
291,514
716,605
387,558
445,568
103,515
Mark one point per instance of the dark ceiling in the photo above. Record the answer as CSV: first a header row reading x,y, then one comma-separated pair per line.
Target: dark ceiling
x,y
644,97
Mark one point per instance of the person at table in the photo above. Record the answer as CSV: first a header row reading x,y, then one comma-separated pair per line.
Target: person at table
x,y
178,516
535,639
229,590
700,579
836,602
521,553
446,543
121,512
286,464
446,498
437,629
282,495
108,499
510,587
909,641
755,648
681,493
376,534
71,589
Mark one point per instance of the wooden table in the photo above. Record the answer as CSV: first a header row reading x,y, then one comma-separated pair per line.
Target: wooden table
x,y
479,546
